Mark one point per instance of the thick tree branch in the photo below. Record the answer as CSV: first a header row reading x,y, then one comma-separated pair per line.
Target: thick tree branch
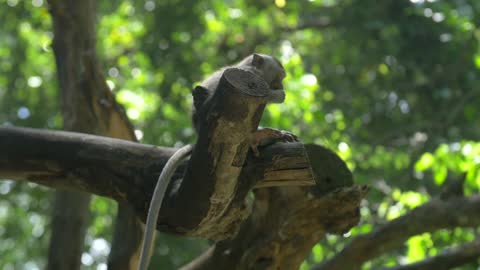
x,y
453,257
76,161
435,215
122,170
287,222
284,226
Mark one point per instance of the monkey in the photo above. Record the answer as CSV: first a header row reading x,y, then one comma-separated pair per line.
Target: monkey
x,y
265,66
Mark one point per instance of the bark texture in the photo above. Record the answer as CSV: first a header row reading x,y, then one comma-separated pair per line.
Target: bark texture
x,y
89,107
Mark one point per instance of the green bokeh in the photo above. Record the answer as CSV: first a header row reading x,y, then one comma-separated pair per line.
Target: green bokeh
x,y
391,86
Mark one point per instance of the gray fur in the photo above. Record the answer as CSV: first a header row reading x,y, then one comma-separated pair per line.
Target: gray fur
x,y
263,65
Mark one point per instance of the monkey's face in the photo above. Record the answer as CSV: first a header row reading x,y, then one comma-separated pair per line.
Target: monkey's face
x,y
271,69
276,83
273,74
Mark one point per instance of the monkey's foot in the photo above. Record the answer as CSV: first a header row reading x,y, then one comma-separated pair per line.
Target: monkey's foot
x,y
265,136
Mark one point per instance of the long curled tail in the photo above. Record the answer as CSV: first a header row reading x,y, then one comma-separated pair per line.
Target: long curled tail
x,y
156,202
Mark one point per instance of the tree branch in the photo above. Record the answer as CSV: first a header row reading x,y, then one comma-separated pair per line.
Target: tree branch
x,y
89,107
284,226
435,215
122,170
453,257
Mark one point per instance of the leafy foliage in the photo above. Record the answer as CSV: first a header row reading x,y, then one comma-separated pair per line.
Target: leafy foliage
x,y
391,85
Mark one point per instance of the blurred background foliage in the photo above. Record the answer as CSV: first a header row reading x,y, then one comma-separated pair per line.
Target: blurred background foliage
x,y
391,85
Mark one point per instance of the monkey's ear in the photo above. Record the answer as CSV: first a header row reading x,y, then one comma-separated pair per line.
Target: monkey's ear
x,y
200,95
257,60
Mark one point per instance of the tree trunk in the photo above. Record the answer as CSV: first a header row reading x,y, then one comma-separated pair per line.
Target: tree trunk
x,y
69,223
89,107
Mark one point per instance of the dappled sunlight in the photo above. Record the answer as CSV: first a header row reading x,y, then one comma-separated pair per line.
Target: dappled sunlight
x,y
390,86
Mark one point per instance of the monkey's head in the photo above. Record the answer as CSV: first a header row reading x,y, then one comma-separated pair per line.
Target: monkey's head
x,y
268,67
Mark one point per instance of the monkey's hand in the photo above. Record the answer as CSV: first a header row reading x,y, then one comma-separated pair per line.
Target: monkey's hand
x,y
265,136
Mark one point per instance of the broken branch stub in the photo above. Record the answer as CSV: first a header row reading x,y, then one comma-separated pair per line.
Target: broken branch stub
x,y
210,182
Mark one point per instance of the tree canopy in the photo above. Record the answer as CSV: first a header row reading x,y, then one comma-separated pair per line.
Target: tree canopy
x,y
391,86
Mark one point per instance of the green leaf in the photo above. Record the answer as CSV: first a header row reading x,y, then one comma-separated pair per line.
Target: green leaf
x,y
425,162
318,253
413,199
439,174
417,247
477,60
